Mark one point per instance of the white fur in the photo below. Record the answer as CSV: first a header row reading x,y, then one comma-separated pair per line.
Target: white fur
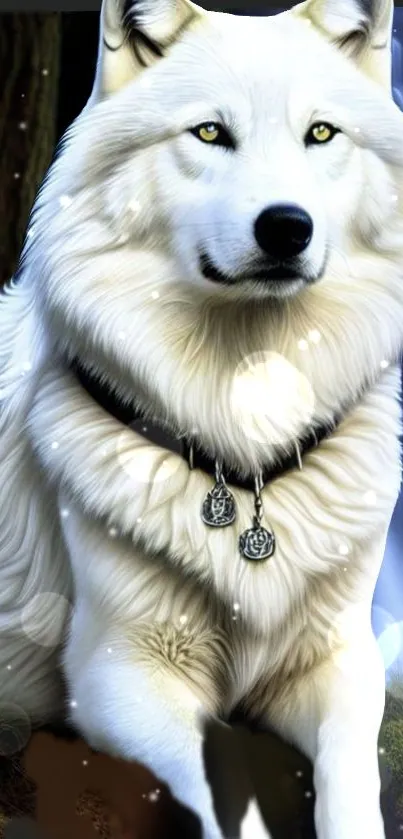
x,y
169,624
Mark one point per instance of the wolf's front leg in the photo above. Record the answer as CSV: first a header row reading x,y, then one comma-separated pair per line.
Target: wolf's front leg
x,y
146,712
346,769
333,715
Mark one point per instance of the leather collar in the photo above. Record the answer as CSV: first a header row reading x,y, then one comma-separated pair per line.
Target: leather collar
x,y
107,399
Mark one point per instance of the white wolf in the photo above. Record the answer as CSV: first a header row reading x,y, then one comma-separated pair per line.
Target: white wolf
x,y
220,241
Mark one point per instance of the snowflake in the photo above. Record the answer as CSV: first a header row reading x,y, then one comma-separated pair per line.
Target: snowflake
x,y
314,336
65,201
370,497
152,796
135,206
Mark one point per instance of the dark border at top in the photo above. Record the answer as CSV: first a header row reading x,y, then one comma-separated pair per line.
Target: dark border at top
x,y
254,7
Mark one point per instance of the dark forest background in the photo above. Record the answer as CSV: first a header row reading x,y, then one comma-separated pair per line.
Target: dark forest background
x,y
47,64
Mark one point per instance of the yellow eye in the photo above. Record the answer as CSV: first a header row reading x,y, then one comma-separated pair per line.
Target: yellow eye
x,y
209,133
321,132
213,133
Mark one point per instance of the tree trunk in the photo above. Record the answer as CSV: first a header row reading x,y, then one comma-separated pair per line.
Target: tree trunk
x,y
29,75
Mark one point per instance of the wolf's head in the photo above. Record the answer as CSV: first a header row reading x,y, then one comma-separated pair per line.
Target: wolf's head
x,y
255,130
239,146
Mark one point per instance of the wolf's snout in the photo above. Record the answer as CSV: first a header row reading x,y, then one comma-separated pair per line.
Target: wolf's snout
x,y
283,231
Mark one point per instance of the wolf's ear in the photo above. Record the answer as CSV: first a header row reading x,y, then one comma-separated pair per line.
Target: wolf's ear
x,y
361,28
134,33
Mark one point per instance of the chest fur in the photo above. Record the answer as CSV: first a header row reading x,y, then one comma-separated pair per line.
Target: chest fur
x,y
324,517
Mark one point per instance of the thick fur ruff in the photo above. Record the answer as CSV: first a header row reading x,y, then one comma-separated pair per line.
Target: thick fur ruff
x,y
93,515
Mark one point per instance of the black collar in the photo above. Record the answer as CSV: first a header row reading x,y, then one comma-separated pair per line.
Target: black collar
x,y
104,395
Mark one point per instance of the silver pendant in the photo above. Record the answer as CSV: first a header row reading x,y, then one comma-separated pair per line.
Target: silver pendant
x,y
257,544
219,505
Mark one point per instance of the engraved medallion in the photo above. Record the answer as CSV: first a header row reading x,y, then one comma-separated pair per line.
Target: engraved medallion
x,y
219,507
257,544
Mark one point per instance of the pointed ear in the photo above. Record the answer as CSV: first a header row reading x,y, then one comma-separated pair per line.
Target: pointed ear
x,y
361,28
134,34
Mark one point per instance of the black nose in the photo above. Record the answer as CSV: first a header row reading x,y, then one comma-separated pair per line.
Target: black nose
x,y
283,230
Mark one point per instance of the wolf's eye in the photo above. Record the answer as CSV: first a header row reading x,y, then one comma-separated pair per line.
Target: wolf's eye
x,y
213,133
320,132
